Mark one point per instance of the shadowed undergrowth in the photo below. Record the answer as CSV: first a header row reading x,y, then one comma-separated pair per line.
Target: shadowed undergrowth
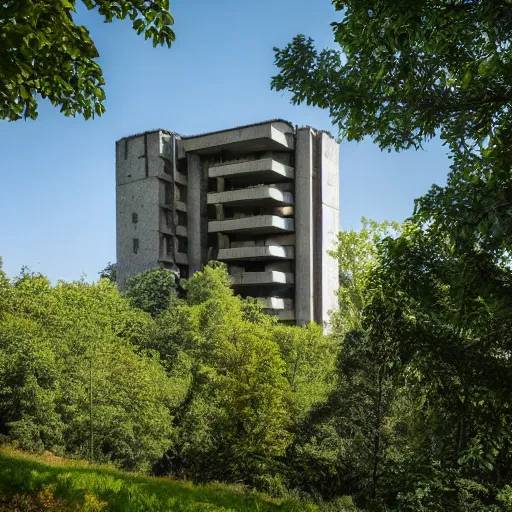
x,y
31,483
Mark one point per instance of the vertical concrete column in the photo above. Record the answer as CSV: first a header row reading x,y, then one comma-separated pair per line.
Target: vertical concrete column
x,y
304,156
195,248
330,200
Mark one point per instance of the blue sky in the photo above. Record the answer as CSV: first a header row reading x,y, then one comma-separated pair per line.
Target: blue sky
x,y
57,192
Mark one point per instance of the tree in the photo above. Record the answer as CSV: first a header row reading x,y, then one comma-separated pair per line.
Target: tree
x,y
406,71
233,423
53,342
448,315
358,256
341,443
310,359
109,272
152,291
45,53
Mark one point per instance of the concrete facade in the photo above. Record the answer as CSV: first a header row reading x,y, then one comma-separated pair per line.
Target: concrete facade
x,y
263,198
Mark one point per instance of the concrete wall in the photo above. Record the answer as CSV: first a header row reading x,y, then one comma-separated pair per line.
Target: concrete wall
x,y
195,245
330,192
304,226
137,219
142,169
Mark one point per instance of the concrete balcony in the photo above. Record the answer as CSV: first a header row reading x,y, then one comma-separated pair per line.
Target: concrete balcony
x,y
254,171
266,195
271,278
266,136
257,253
181,231
181,259
180,205
177,205
283,315
259,224
275,303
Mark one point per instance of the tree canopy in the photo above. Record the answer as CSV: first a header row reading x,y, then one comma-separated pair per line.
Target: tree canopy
x,y
45,54
406,71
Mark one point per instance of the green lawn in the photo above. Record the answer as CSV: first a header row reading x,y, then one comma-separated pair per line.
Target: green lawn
x,y
32,483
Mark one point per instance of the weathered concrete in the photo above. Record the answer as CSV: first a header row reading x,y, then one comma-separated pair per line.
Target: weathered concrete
x,y
265,195
180,258
280,240
283,309
180,178
255,171
138,243
284,315
275,303
257,225
329,151
195,247
279,266
143,167
261,196
304,288
256,253
270,136
235,244
283,279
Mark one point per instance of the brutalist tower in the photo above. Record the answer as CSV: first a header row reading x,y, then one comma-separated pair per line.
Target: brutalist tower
x,y
263,198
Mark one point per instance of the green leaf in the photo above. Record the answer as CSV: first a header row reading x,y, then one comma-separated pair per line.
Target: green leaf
x,y
24,93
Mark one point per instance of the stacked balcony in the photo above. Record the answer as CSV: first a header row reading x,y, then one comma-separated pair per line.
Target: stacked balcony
x,y
254,223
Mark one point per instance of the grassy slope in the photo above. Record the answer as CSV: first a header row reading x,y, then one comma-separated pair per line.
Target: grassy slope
x,y
74,482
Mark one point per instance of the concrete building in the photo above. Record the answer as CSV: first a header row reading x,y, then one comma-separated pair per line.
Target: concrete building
x,y
262,198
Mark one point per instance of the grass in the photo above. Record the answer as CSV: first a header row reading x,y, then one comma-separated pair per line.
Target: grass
x,y
33,483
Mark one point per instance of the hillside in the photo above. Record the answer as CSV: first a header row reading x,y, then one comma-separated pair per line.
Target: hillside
x,y
32,483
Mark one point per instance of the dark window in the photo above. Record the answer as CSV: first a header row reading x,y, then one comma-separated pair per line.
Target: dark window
x,y
135,218
182,218
169,199
182,244
212,184
181,194
169,249
169,219
135,245
182,166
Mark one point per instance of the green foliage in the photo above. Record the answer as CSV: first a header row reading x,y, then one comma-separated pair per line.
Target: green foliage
x,y
451,326
53,340
206,387
406,71
109,272
152,291
239,404
437,301
44,52
310,365
212,283
358,258
48,483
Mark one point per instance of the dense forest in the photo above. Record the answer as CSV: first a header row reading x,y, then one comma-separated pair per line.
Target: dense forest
x,y
405,405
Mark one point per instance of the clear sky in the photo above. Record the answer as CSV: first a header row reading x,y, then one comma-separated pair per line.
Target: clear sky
x,y
57,191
